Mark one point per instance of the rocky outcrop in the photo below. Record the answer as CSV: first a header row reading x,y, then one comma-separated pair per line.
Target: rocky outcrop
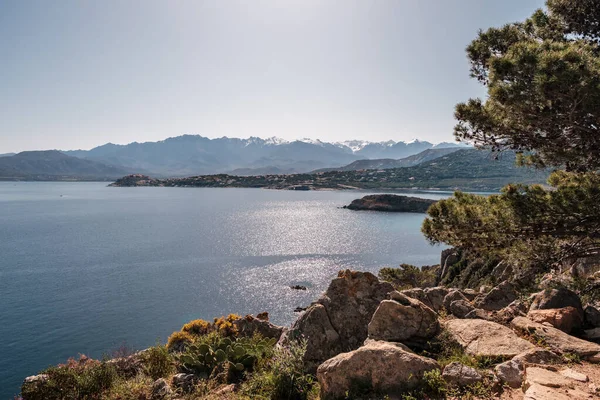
x,y
432,297
556,339
497,298
453,295
538,356
458,374
249,326
486,339
566,319
384,367
392,203
556,298
338,320
460,308
403,319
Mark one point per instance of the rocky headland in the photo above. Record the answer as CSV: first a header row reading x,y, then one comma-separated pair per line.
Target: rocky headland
x,y
366,338
391,203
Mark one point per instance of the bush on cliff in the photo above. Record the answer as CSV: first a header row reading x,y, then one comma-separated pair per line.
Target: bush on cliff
x,y
408,276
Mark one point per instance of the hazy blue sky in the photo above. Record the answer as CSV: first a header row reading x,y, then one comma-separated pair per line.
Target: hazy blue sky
x,y
76,74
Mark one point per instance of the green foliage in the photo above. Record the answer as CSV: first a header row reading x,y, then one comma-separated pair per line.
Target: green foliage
x,y
528,225
179,340
408,276
240,354
77,379
139,387
158,362
283,377
543,85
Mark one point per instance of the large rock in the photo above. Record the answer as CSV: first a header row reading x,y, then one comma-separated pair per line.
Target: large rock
x,y
403,319
556,339
249,326
460,308
459,374
592,317
544,377
431,297
556,298
338,320
566,319
497,298
452,296
160,390
510,373
384,367
486,339
515,309
323,341
592,334
538,356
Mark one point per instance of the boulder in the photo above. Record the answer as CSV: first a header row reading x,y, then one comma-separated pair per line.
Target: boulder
x,y
478,313
515,309
458,374
453,295
510,373
249,326
556,339
566,319
470,294
574,375
403,319
538,356
592,317
338,320
184,382
556,298
497,298
592,334
460,308
384,367
486,339
435,297
350,301
323,341
544,377
160,390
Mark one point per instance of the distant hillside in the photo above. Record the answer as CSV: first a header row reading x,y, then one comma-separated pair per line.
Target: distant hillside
x,y
194,155
461,170
7,154
386,163
54,165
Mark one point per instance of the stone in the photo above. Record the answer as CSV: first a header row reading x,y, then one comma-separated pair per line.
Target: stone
x,y
479,314
338,320
249,326
460,308
592,334
351,301
160,390
453,295
403,319
486,339
556,339
263,316
182,381
556,298
544,377
572,374
323,341
435,297
539,392
592,317
566,319
515,309
510,373
384,367
497,298
459,374
470,294
538,356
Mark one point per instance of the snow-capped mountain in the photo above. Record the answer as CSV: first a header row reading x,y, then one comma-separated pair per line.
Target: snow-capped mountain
x,y
193,154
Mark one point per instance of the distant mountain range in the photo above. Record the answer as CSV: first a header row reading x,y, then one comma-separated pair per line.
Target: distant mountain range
x,y
190,155
54,165
196,155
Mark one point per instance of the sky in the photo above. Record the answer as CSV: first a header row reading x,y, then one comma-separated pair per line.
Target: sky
x,y
77,74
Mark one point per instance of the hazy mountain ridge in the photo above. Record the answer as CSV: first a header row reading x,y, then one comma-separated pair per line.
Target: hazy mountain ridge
x,y
55,165
196,155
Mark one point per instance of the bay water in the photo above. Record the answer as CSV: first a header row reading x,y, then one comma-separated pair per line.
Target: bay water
x,y
85,268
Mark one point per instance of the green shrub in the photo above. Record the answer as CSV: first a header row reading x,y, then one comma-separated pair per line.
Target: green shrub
x,y
408,276
158,362
283,377
179,340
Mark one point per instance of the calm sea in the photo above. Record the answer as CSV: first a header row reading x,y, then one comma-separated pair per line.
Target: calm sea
x,y
85,268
